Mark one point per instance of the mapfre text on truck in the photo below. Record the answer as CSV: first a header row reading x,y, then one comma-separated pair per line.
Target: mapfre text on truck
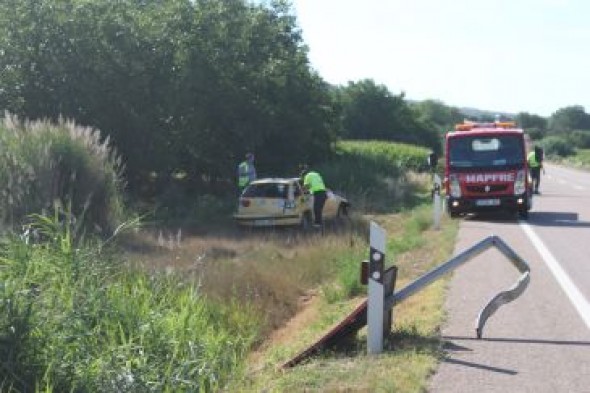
x,y
486,169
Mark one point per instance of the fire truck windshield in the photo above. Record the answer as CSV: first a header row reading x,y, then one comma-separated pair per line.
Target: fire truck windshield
x,y
479,151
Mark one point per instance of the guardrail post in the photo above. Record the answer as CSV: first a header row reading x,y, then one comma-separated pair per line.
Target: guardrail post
x,y
437,201
375,314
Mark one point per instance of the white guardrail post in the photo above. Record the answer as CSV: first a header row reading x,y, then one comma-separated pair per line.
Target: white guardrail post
x,y
437,201
375,314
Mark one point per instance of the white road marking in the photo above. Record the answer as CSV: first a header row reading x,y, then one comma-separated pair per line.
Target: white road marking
x,y
570,289
579,188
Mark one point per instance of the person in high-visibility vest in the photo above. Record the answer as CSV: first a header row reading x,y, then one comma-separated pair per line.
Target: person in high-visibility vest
x,y
246,172
535,162
313,182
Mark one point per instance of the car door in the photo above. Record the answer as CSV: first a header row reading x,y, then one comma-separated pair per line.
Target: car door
x,y
331,205
302,199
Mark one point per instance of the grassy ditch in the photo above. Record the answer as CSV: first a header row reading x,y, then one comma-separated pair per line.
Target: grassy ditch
x,y
200,310
412,350
270,270
282,273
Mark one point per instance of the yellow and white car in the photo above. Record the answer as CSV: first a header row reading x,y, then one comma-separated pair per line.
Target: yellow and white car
x,y
282,202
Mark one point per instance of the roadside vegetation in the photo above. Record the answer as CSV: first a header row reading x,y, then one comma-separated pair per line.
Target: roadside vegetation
x,y
45,165
375,174
77,319
564,136
76,316
95,305
120,267
412,350
579,159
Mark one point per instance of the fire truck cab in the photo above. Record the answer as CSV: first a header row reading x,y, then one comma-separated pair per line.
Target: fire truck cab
x,y
486,169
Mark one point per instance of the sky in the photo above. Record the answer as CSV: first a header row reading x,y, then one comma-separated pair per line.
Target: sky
x,y
499,55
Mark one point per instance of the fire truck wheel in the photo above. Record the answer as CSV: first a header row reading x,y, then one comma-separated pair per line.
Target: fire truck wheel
x,y
524,214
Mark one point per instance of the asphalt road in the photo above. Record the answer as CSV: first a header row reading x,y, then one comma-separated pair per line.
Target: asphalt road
x,y
541,341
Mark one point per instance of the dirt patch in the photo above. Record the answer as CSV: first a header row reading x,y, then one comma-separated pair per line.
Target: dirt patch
x,y
307,314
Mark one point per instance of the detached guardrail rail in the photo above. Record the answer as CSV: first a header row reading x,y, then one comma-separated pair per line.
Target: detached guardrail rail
x,y
376,312
492,306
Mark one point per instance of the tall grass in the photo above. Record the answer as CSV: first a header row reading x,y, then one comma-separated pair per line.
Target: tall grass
x,y
76,320
409,237
43,163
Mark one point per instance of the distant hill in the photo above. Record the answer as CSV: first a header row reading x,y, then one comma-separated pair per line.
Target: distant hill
x,y
478,114
474,113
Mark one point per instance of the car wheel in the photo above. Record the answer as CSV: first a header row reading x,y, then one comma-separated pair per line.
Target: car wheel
x,y
342,211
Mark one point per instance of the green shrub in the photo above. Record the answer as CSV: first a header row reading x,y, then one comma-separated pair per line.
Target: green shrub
x,y
536,133
556,146
42,164
579,139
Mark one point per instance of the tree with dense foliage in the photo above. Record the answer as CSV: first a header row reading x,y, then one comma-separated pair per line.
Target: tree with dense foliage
x,y
568,119
528,120
370,111
443,117
179,85
534,125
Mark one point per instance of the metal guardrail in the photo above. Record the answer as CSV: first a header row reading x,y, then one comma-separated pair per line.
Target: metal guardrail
x,y
376,312
493,304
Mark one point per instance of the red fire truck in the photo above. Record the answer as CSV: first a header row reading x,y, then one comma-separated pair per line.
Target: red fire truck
x,y
486,169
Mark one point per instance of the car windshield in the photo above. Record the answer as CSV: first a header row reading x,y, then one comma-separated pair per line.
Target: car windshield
x,y
266,190
486,151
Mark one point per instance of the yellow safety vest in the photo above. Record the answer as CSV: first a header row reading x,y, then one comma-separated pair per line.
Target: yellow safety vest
x,y
314,181
243,178
532,160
